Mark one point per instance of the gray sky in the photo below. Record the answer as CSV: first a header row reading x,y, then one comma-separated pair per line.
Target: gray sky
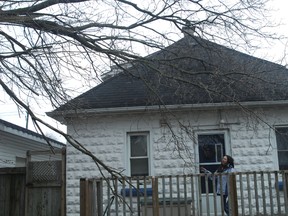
x,y
275,53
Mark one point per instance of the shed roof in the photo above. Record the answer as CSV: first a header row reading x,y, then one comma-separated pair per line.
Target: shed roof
x,y
18,131
190,71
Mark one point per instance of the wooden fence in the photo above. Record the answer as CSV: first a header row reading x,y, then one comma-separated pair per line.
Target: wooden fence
x,y
250,193
35,190
12,191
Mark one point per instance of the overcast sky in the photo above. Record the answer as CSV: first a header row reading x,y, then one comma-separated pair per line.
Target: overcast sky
x,y
9,112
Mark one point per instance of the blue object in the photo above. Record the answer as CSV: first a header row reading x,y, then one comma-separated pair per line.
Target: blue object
x,y
136,192
280,185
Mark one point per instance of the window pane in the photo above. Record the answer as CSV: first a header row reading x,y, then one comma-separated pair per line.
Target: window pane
x,y
211,151
138,145
219,151
139,167
283,160
211,148
282,147
282,138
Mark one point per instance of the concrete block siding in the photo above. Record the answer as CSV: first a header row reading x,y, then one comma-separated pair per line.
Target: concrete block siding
x,y
251,142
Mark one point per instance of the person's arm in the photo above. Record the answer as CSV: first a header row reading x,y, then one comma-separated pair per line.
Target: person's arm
x,y
202,169
207,172
232,169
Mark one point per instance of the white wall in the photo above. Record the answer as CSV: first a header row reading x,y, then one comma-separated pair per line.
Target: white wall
x,y
251,142
13,146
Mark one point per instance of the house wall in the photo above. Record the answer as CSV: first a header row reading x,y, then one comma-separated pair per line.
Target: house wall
x,y
250,141
13,150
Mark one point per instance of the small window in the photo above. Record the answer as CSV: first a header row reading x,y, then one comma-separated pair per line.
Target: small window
x,y
138,154
282,147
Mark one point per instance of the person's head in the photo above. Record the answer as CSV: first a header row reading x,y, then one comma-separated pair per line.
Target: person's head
x,y
227,161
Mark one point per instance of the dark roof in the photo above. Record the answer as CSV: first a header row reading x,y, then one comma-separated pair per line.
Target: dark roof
x,y
190,71
26,131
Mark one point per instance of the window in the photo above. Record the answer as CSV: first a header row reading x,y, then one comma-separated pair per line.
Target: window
x,y
282,147
138,153
211,150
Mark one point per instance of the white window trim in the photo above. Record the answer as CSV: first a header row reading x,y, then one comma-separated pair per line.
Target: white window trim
x,y
211,132
128,151
275,146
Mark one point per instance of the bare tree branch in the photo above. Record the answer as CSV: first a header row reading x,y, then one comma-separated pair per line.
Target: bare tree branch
x,y
48,45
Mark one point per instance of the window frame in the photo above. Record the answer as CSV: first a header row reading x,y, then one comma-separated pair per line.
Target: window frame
x,y
227,149
148,157
227,145
276,144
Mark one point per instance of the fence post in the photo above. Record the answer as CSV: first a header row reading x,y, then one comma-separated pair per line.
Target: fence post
x,y
28,159
285,189
233,204
63,182
85,201
99,198
155,198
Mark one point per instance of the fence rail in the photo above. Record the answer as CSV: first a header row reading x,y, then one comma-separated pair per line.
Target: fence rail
x,y
250,193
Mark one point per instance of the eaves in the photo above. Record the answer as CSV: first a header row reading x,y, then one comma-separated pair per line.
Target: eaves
x,y
61,116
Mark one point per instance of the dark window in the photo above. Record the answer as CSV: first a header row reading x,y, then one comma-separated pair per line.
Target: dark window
x,y
211,151
282,147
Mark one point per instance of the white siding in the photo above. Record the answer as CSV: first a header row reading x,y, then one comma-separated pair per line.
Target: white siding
x,y
12,146
252,143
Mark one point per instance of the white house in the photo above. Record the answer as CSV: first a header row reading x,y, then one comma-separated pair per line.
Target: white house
x,y
179,108
15,141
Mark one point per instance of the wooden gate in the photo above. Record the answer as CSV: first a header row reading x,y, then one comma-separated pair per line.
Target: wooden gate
x,y
12,191
37,189
45,184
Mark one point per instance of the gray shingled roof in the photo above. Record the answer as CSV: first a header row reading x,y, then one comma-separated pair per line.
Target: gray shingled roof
x,y
190,71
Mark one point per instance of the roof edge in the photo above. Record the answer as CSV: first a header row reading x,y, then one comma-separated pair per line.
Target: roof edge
x,y
61,115
11,128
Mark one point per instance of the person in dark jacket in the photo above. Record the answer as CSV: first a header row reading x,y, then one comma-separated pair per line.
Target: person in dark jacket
x,y
226,166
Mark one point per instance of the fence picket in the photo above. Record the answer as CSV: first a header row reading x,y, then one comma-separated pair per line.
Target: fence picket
x,y
250,193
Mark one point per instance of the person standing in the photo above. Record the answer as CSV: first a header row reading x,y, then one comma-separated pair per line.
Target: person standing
x,y
226,166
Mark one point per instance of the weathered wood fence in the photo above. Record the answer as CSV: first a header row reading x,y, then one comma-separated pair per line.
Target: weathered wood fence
x,y
12,191
250,193
35,190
